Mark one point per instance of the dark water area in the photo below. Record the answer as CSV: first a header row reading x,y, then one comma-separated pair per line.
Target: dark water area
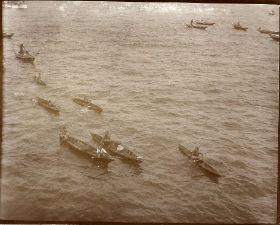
x,y
159,84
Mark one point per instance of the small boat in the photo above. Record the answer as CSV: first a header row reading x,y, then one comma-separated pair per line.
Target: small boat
x,y
86,102
196,26
8,35
39,81
99,155
275,37
203,165
26,57
271,13
15,4
202,22
47,104
264,31
116,148
239,27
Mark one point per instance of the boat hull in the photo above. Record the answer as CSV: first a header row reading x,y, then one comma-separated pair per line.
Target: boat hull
x,y
25,58
7,35
268,32
204,23
47,105
84,149
240,28
196,27
40,82
112,146
203,165
87,104
275,37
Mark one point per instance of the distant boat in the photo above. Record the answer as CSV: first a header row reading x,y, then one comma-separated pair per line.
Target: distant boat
x,y
237,26
39,81
15,4
271,13
8,35
275,37
264,31
47,104
25,55
201,163
192,25
116,148
202,22
86,102
79,146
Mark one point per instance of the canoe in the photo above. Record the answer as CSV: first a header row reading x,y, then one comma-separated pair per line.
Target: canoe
x,y
203,165
202,22
47,104
84,148
39,81
8,35
275,37
238,27
267,31
196,26
87,103
25,57
116,148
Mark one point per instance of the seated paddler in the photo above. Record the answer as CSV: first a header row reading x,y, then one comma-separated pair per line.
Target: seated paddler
x,y
21,49
196,154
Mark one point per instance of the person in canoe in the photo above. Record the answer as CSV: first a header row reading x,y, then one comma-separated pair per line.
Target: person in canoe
x,y
21,49
101,152
106,139
38,76
196,154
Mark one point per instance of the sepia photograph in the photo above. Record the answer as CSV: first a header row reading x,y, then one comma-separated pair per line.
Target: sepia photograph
x,y
139,112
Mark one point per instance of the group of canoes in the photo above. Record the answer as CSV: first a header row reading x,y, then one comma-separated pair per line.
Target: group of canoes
x,y
202,25
102,150
55,109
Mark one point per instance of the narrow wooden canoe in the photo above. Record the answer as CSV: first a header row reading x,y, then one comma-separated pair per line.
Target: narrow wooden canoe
x,y
116,148
8,35
238,27
25,57
203,165
202,22
264,31
275,37
88,104
197,26
47,104
39,81
84,148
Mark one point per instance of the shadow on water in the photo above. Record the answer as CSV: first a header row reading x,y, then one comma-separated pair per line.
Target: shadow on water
x,y
134,167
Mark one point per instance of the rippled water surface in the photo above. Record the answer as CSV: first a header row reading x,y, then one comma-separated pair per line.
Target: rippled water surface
x,y
159,85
